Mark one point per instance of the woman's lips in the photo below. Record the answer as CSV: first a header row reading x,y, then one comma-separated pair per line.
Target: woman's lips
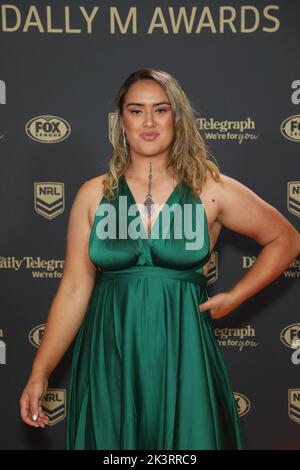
x,y
150,136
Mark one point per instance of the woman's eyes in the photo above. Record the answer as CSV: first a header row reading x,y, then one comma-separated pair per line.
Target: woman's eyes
x,y
138,110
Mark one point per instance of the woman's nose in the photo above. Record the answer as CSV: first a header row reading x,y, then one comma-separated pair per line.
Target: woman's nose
x,y
149,118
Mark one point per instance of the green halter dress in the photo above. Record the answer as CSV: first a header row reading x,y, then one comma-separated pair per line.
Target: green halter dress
x,y
147,371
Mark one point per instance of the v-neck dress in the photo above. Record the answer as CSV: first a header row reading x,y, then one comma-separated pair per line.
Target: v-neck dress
x,y
147,371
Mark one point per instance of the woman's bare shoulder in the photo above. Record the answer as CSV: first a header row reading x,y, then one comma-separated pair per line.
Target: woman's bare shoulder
x,y
92,187
211,195
90,194
94,192
225,183
215,189
215,184
244,211
95,183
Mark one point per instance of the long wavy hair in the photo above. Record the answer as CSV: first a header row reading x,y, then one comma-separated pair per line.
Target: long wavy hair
x,y
188,159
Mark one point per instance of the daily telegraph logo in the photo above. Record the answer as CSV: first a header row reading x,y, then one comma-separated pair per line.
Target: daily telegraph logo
x,y
237,337
49,199
38,267
48,129
231,130
188,222
292,272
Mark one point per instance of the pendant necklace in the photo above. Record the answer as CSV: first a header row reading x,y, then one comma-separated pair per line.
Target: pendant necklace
x,y
148,202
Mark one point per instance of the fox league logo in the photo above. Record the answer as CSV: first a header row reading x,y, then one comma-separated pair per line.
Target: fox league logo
x,y
243,404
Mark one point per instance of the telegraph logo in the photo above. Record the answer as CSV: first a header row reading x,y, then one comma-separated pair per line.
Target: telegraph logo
x,y
48,129
243,404
212,274
54,405
49,199
294,404
293,197
290,128
36,335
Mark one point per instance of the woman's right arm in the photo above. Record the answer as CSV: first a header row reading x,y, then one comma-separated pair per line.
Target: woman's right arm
x,y
67,310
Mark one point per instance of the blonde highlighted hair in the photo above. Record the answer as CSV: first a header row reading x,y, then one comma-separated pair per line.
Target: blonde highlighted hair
x,y
188,159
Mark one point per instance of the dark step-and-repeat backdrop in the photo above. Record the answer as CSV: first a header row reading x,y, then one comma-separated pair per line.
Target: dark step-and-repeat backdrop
x,y
61,64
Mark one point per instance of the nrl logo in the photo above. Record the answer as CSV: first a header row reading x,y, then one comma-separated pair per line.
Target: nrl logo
x,y
293,197
49,199
54,405
294,404
212,274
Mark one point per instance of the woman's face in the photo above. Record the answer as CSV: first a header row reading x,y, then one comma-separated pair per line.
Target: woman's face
x,y
147,109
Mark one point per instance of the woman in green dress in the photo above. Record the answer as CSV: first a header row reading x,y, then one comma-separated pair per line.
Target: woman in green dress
x,y
147,371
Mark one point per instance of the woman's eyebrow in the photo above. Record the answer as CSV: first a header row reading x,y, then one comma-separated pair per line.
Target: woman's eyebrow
x,y
142,104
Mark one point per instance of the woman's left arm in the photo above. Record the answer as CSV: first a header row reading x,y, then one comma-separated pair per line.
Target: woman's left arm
x,y
243,211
